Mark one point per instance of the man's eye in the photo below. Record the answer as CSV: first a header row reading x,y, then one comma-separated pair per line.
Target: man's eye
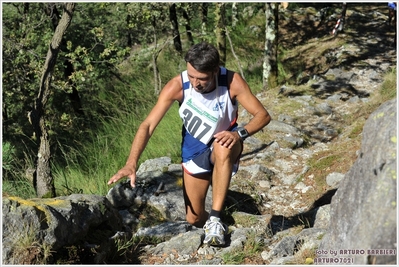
x,y
200,79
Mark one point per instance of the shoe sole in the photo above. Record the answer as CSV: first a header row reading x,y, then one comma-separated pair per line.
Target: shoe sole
x,y
214,242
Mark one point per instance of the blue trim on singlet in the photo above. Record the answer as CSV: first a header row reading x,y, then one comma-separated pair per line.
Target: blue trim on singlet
x,y
190,146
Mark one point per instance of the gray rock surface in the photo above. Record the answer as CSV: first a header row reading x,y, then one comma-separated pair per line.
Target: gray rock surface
x,y
56,223
364,208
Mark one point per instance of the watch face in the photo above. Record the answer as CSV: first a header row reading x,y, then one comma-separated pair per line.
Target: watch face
x,y
242,133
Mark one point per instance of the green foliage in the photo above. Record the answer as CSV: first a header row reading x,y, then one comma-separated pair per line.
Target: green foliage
x,y
18,187
14,180
23,55
106,60
91,163
113,97
234,258
8,153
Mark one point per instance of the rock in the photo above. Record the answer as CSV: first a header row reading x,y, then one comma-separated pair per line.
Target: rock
x,y
286,247
324,109
55,223
153,174
333,179
363,210
164,230
282,127
183,244
322,219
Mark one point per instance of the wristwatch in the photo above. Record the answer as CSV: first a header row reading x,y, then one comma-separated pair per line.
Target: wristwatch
x,y
242,132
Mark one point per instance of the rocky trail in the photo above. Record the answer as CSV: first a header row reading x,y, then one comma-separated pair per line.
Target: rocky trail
x,y
274,193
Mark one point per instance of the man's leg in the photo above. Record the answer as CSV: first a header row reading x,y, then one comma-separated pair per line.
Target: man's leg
x,y
223,159
195,189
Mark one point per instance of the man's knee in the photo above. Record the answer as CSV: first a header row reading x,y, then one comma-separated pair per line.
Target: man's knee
x,y
223,153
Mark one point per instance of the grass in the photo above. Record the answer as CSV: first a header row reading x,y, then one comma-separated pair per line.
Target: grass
x,y
244,220
126,246
95,155
248,254
87,164
340,156
8,152
108,152
15,182
91,165
28,249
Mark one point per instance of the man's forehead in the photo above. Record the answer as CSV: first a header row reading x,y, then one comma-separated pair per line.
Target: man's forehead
x,y
197,74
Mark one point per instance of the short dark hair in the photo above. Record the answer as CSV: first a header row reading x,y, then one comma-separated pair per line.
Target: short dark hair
x,y
203,56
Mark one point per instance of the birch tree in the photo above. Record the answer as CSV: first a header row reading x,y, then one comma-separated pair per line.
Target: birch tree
x,y
44,185
270,51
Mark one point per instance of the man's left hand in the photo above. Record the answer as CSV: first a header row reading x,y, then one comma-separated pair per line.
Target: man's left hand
x,y
227,138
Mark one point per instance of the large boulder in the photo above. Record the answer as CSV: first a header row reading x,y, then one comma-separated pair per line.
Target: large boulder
x,y
159,185
50,224
363,211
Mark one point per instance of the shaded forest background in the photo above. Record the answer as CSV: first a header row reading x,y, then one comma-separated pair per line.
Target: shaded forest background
x,y
113,60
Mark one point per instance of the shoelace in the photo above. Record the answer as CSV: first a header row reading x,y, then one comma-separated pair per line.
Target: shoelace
x,y
212,224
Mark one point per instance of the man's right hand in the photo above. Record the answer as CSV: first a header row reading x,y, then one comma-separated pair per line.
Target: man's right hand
x,y
126,171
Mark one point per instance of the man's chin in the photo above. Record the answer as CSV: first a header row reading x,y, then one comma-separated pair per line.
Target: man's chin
x,y
201,91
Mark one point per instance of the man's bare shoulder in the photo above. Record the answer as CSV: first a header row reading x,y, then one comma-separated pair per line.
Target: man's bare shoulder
x,y
174,88
237,84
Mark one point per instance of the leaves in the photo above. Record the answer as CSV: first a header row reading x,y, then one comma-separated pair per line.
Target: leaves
x,y
97,49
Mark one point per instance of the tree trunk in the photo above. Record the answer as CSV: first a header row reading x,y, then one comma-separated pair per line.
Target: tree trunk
x,y
220,31
204,17
270,73
188,27
234,54
234,15
175,28
44,179
52,11
157,83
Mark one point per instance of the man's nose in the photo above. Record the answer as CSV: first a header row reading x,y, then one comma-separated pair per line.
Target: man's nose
x,y
196,82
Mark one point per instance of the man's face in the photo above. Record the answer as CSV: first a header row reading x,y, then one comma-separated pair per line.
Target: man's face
x,y
202,82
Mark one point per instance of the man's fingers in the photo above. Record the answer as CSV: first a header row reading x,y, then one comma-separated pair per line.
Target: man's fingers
x,y
116,177
124,172
132,181
113,179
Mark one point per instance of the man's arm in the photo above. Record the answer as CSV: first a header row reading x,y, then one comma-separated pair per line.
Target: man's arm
x,y
241,91
170,93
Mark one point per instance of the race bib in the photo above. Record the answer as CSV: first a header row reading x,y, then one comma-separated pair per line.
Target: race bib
x,y
199,121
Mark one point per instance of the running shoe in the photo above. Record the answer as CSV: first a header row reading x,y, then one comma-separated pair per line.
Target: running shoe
x,y
215,231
